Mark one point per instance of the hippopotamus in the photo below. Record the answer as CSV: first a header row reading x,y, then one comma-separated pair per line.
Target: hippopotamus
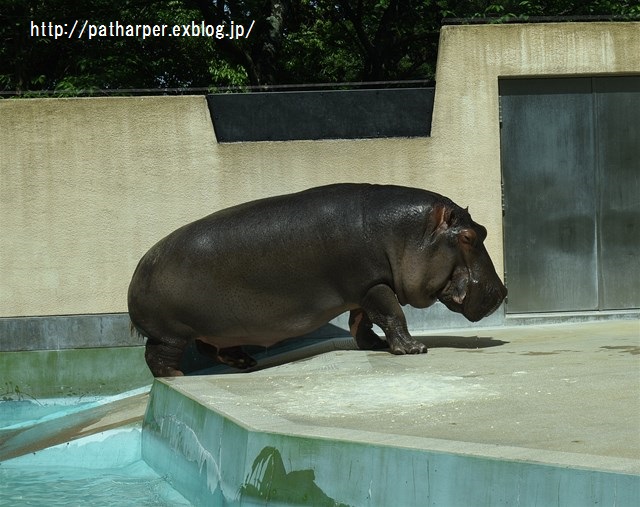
x,y
280,267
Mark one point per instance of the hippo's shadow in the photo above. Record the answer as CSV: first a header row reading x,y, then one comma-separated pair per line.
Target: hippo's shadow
x,y
305,347
460,342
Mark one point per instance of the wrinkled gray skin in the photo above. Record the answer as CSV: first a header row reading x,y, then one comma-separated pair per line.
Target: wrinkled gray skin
x,y
267,270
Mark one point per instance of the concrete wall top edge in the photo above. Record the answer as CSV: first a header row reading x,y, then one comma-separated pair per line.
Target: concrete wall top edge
x,y
141,98
553,48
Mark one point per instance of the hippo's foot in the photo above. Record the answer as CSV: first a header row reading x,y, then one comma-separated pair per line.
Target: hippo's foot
x,y
361,329
371,341
236,357
163,356
366,339
408,346
232,356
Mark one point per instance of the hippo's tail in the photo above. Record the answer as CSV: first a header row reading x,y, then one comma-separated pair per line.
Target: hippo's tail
x,y
136,331
162,356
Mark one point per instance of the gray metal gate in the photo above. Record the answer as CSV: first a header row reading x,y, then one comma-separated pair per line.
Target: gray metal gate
x,y
570,151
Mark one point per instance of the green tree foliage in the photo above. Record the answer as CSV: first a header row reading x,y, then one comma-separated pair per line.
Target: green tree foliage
x,y
308,41
41,62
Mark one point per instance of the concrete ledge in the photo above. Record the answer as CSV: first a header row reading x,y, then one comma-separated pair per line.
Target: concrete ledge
x,y
58,332
530,422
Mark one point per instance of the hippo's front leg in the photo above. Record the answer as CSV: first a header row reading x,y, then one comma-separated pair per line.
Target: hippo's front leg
x,y
382,307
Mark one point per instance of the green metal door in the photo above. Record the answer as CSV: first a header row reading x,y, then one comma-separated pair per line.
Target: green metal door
x,y
570,151
617,112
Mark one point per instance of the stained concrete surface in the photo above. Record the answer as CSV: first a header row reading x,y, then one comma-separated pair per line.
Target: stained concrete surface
x,y
564,394
53,431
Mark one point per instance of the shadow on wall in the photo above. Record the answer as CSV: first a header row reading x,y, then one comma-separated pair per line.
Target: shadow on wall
x,y
269,482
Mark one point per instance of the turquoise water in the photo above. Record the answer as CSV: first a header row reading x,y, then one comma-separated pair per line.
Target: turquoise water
x,y
104,469
131,486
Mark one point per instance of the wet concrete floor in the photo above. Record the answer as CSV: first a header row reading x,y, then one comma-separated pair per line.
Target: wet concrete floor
x,y
563,394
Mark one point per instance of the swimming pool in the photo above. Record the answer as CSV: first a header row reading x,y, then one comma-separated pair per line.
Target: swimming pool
x,y
102,469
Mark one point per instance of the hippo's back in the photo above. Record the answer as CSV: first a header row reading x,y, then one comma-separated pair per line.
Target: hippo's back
x,y
278,256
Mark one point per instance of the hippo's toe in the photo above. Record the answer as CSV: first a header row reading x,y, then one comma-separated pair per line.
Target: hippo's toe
x,y
409,347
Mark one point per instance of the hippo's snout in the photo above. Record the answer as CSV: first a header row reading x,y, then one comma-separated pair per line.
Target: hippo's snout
x,y
484,301
473,298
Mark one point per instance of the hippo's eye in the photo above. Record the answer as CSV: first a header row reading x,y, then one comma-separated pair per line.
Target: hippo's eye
x,y
467,237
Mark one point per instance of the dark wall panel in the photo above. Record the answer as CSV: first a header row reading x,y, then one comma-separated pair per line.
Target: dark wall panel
x,y
335,114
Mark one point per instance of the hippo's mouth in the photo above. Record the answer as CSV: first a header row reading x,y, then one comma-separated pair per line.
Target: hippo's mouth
x,y
466,295
454,292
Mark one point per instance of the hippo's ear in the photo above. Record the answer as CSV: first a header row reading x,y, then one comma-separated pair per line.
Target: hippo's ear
x,y
441,215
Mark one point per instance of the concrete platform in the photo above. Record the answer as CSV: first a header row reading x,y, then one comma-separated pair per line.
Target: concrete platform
x,y
510,416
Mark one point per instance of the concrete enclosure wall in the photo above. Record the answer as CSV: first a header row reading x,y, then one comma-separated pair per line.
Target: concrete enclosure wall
x,y
88,185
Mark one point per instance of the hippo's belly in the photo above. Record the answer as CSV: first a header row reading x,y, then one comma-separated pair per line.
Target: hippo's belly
x,y
274,318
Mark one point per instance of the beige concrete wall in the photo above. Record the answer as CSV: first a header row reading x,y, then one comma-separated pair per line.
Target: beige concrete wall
x,y
88,185
84,182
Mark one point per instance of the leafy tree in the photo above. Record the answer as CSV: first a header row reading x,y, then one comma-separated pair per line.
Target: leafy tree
x,y
104,63
308,41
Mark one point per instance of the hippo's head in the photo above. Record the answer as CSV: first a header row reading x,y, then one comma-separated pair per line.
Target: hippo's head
x,y
474,288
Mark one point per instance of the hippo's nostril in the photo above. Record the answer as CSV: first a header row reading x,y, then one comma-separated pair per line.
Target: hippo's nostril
x,y
499,298
493,308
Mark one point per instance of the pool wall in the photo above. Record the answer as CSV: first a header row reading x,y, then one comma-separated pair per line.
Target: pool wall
x,y
72,372
212,459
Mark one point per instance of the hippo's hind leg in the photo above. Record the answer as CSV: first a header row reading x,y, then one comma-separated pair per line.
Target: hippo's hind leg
x,y
236,357
232,356
164,356
360,327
